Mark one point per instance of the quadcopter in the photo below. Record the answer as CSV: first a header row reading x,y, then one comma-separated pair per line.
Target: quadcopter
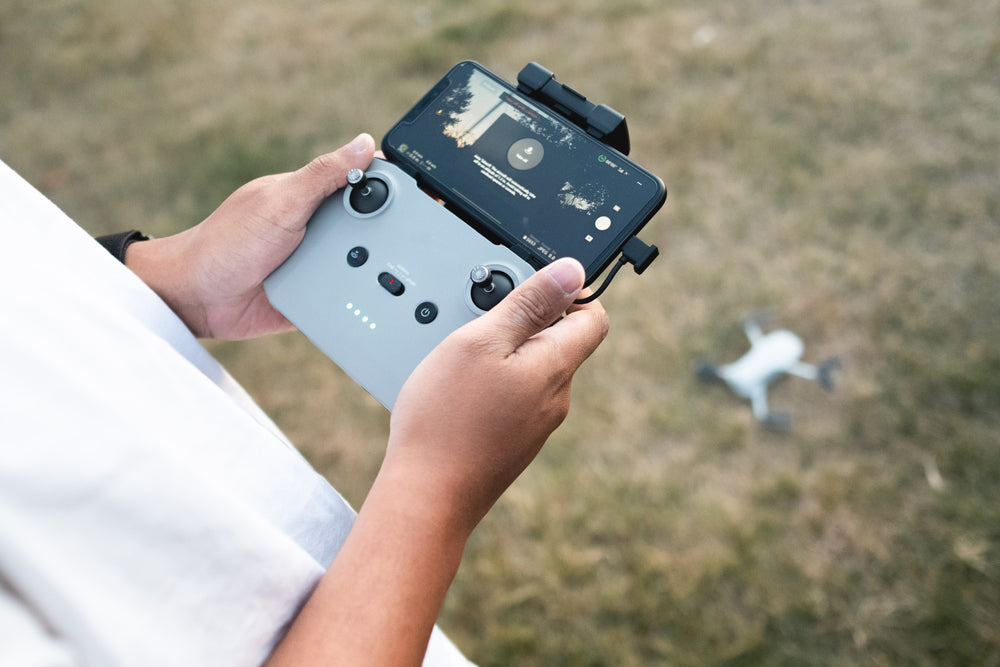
x,y
770,356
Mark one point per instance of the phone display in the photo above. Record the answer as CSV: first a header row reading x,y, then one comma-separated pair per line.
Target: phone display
x,y
531,178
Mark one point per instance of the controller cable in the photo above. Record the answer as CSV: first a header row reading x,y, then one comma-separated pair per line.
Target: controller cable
x,y
638,254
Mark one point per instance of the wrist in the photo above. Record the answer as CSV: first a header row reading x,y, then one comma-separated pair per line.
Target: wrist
x,y
164,265
424,499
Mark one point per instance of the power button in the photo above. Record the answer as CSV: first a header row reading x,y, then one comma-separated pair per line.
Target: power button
x,y
426,312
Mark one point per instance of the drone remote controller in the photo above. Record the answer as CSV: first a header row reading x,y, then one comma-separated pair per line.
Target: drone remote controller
x,y
384,274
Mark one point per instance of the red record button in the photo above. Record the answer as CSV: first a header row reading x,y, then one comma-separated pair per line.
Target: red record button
x,y
391,283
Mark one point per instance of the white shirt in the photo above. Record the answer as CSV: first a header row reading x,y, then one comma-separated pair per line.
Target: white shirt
x,y
150,512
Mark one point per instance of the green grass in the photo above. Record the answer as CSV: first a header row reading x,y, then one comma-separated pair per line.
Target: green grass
x,y
834,164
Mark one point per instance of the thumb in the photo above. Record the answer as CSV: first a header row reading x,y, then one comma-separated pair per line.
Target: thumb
x,y
328,173
535,304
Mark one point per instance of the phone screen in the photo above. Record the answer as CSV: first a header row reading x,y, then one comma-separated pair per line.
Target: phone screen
x,y
537,181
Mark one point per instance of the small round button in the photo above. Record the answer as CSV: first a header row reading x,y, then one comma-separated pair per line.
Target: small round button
x,y
525,154
357,256
426,312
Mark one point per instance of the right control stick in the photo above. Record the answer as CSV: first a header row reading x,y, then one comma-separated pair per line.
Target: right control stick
x,y
489,287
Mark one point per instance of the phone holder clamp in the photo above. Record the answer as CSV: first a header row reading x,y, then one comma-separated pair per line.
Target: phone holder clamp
x,y
599,121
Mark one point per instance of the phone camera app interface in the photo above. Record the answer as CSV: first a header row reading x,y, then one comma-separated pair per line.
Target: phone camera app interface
x,y
541,181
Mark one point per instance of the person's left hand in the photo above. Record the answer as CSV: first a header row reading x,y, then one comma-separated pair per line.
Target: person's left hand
x,y
212,274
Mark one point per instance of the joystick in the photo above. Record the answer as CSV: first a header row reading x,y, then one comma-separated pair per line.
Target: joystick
x,y
489,287
367,194
482,277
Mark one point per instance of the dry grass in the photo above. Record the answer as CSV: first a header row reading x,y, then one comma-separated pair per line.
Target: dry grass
x,y
835,163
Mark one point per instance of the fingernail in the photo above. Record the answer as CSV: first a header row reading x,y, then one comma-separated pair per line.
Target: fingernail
x,y
361,143
567,274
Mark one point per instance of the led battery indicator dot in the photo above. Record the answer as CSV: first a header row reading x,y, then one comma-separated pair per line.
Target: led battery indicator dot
x,y
357,313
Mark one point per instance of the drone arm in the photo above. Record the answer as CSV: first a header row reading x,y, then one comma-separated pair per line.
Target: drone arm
x,y
752,330
821,373
758,403
804,371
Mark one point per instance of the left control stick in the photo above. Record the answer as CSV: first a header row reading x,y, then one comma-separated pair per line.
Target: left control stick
x,y
367,194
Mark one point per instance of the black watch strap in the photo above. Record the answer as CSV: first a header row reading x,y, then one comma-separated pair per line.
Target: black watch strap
x,y
118,243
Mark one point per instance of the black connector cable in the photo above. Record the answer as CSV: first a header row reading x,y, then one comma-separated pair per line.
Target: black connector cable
x,y
607,281
638,254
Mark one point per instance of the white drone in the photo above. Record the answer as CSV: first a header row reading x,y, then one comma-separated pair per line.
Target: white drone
x,y
769,357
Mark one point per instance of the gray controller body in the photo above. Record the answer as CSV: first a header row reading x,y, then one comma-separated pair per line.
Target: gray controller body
x,y
376,292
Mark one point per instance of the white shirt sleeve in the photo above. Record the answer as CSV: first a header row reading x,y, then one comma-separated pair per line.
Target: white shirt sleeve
x,y
24,639
150,513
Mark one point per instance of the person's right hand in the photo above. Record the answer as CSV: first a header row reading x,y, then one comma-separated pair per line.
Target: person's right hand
x,y
478,409
471,417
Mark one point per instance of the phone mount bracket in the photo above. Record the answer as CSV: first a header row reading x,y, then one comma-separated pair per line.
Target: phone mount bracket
x,y
598,120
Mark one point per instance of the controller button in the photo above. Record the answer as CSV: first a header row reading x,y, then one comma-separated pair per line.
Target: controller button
x,y
391,283
357,256
426,312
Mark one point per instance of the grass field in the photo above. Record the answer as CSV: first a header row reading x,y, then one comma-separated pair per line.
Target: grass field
x,y
836,164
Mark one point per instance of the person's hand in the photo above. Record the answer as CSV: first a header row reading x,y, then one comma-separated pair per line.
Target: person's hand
x,y
212,274
472,415
478,409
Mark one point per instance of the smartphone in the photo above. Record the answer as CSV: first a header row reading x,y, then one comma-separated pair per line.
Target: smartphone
x,y
521,174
